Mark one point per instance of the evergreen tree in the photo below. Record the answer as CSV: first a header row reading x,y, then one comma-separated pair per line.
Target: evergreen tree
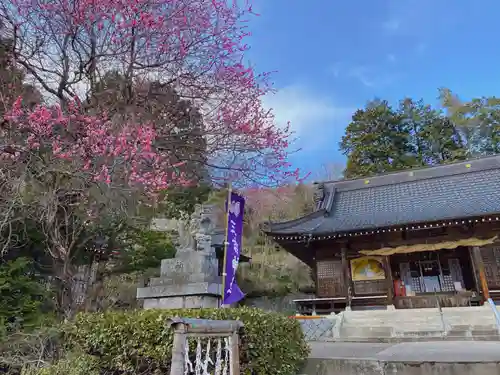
x,y
25,299
443,142
381,139
12,81
478,120
376,141
434,138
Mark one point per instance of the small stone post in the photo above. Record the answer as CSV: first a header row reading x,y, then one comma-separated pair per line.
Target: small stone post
x,y
234,364
178,350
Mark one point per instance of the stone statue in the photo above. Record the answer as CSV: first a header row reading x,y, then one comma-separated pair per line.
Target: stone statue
x,y
185,239
205,228
195,234
191,279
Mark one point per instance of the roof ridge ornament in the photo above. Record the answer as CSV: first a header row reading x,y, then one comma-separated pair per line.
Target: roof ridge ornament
x,y
319,195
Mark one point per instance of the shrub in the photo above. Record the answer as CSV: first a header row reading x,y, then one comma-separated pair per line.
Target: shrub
x,y
36,348
271,343
23,296
73,364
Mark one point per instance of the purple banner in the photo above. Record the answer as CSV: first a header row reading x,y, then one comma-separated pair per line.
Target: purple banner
x,y
232,293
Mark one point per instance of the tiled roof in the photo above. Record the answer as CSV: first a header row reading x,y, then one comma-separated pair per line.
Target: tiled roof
x,y
460,190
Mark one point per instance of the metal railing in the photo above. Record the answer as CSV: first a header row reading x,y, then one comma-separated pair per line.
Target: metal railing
x,y
495,312
444,325
215,343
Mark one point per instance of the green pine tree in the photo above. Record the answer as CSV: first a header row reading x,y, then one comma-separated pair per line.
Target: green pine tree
x,y
376,141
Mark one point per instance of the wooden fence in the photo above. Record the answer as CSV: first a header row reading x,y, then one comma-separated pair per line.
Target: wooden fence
x,y
223,358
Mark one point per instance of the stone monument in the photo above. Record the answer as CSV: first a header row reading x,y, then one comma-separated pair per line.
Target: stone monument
x,y
190,280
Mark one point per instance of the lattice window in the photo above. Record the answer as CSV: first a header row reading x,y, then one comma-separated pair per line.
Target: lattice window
x,y
416,285
456,272
370,287
447,284
325,269
491,260
330,280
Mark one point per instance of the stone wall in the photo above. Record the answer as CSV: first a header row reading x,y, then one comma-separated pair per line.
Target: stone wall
x,y
278,304
321,329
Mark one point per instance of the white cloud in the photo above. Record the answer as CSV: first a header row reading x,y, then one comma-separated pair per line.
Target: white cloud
x,y
362,75
372,78
303,108
368,76
423,19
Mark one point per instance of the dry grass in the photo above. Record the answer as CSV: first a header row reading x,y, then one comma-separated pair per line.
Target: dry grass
x,y
273,272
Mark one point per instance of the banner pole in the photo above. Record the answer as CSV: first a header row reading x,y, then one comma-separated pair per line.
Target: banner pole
x,y
224,272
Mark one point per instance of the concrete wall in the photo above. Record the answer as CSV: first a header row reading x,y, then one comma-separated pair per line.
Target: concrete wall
x,y
413,358
373,367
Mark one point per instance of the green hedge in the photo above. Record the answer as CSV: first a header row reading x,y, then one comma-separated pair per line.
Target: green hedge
x,y
130,342
73,364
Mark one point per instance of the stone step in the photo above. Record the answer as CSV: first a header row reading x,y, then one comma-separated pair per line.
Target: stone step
x,y
416,326
436,322
406,315
474,326
490,333
381,322
486,329
365,332
402,319
460,320
464,311
394,321
470,324
419,325
396,325
401,339
393,315
436,334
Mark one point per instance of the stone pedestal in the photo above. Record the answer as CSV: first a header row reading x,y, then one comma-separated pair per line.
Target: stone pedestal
x,y
191,279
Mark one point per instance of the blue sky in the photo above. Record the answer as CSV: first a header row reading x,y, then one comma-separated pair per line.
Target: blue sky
x,y
331,57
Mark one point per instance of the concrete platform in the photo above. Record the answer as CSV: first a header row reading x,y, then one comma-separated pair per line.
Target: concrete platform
x,y
432,324
409,358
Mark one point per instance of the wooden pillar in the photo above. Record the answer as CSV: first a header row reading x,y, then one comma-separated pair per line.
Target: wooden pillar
x,y
479,265
389,280
347,276
475,274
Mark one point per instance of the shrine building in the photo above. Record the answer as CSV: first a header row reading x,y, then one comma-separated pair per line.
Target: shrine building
x,y
411,239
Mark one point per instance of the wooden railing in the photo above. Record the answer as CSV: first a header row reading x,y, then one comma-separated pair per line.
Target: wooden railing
x,y
223,358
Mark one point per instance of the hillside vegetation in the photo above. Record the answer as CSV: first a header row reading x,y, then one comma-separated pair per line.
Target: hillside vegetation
x,y
272,270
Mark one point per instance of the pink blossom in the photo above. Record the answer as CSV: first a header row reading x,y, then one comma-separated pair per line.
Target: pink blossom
x,y
204,43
